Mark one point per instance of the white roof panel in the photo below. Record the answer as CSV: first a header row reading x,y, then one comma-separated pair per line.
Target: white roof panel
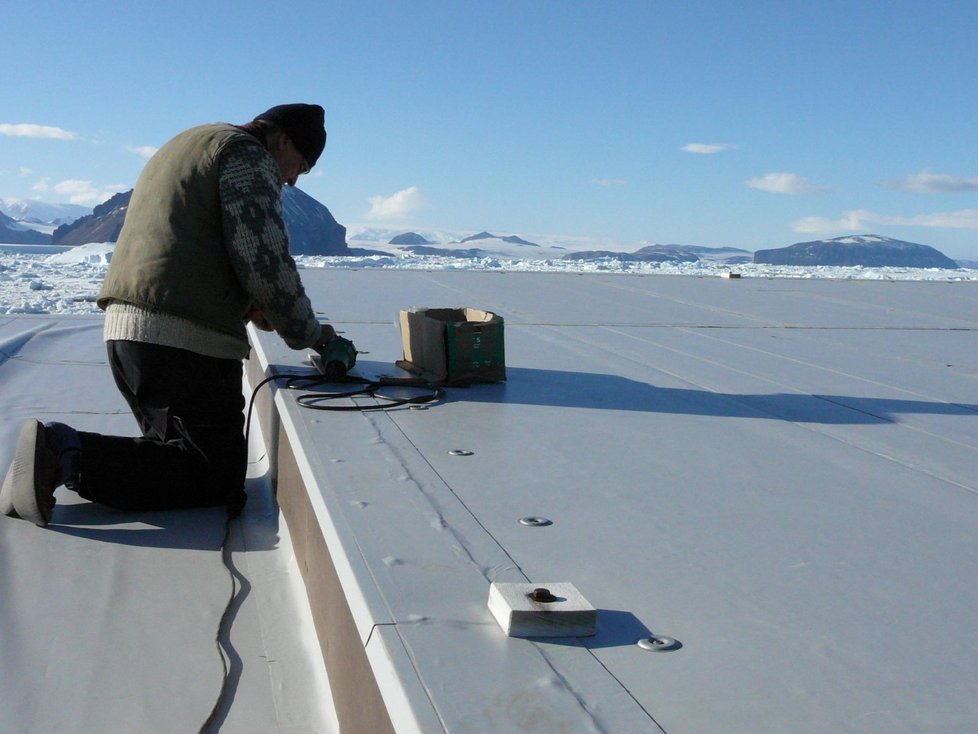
x,y
778,474
108,618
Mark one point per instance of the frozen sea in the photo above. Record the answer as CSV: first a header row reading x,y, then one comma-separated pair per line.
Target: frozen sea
x,y
40,279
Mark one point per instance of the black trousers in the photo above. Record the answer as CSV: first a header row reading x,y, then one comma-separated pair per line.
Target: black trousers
x,y
192,453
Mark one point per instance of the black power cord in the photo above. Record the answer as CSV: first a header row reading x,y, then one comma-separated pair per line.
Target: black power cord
x,y
312,401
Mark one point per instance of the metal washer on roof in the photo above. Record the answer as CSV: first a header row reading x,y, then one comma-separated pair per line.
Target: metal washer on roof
x,y
659,643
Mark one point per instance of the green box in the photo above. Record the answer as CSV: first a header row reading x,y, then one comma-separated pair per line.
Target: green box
x,y
454,346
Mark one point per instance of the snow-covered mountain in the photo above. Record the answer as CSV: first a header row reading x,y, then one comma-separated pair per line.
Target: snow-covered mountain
x,y
459,246
511,239
409,238
461,243
668,253
867,250
489,245
33,211
29,221
370,235
15,233
312,229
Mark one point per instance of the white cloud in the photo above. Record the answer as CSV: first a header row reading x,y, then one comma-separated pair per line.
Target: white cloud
x,y
962,219
75,191
785,183
861,219
78,192
396,206
849,221
707,148
145,151
926,182
27,130
25,171
608,182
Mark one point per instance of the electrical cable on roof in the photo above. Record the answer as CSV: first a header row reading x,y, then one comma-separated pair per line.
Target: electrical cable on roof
x,y
225,657
311,401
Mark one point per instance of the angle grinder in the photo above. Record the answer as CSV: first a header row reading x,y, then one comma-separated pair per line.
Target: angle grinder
x,y
337,357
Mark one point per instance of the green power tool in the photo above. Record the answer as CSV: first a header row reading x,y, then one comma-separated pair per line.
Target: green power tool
x,y
338,357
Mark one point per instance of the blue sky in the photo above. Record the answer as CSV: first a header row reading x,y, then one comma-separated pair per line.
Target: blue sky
x,y
750,124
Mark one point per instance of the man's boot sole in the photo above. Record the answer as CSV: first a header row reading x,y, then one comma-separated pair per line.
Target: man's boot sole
x,y
32,477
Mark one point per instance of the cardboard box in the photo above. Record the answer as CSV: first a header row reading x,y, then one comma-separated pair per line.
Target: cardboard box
x,y
454,346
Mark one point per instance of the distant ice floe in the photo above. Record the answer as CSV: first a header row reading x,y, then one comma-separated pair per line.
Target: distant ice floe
x,y
704,268
97,253
68,281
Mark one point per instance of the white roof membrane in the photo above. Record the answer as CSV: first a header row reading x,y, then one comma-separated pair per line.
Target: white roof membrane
x,y
778,474
108,618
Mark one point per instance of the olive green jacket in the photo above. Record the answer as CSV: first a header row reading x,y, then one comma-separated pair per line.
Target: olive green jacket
x,y
204,240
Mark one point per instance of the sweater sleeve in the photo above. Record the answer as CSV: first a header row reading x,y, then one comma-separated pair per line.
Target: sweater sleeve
x,y
258,243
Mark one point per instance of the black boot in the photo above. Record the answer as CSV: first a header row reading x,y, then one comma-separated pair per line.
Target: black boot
x,y
46,456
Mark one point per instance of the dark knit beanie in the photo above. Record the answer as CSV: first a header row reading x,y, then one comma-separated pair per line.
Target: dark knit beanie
x,y
303,123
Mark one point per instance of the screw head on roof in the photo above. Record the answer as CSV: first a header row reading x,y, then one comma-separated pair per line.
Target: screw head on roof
x,y
535,522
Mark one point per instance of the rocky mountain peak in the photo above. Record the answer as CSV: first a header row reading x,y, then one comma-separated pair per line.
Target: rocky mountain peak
x,y
102,225
312,229
867,250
